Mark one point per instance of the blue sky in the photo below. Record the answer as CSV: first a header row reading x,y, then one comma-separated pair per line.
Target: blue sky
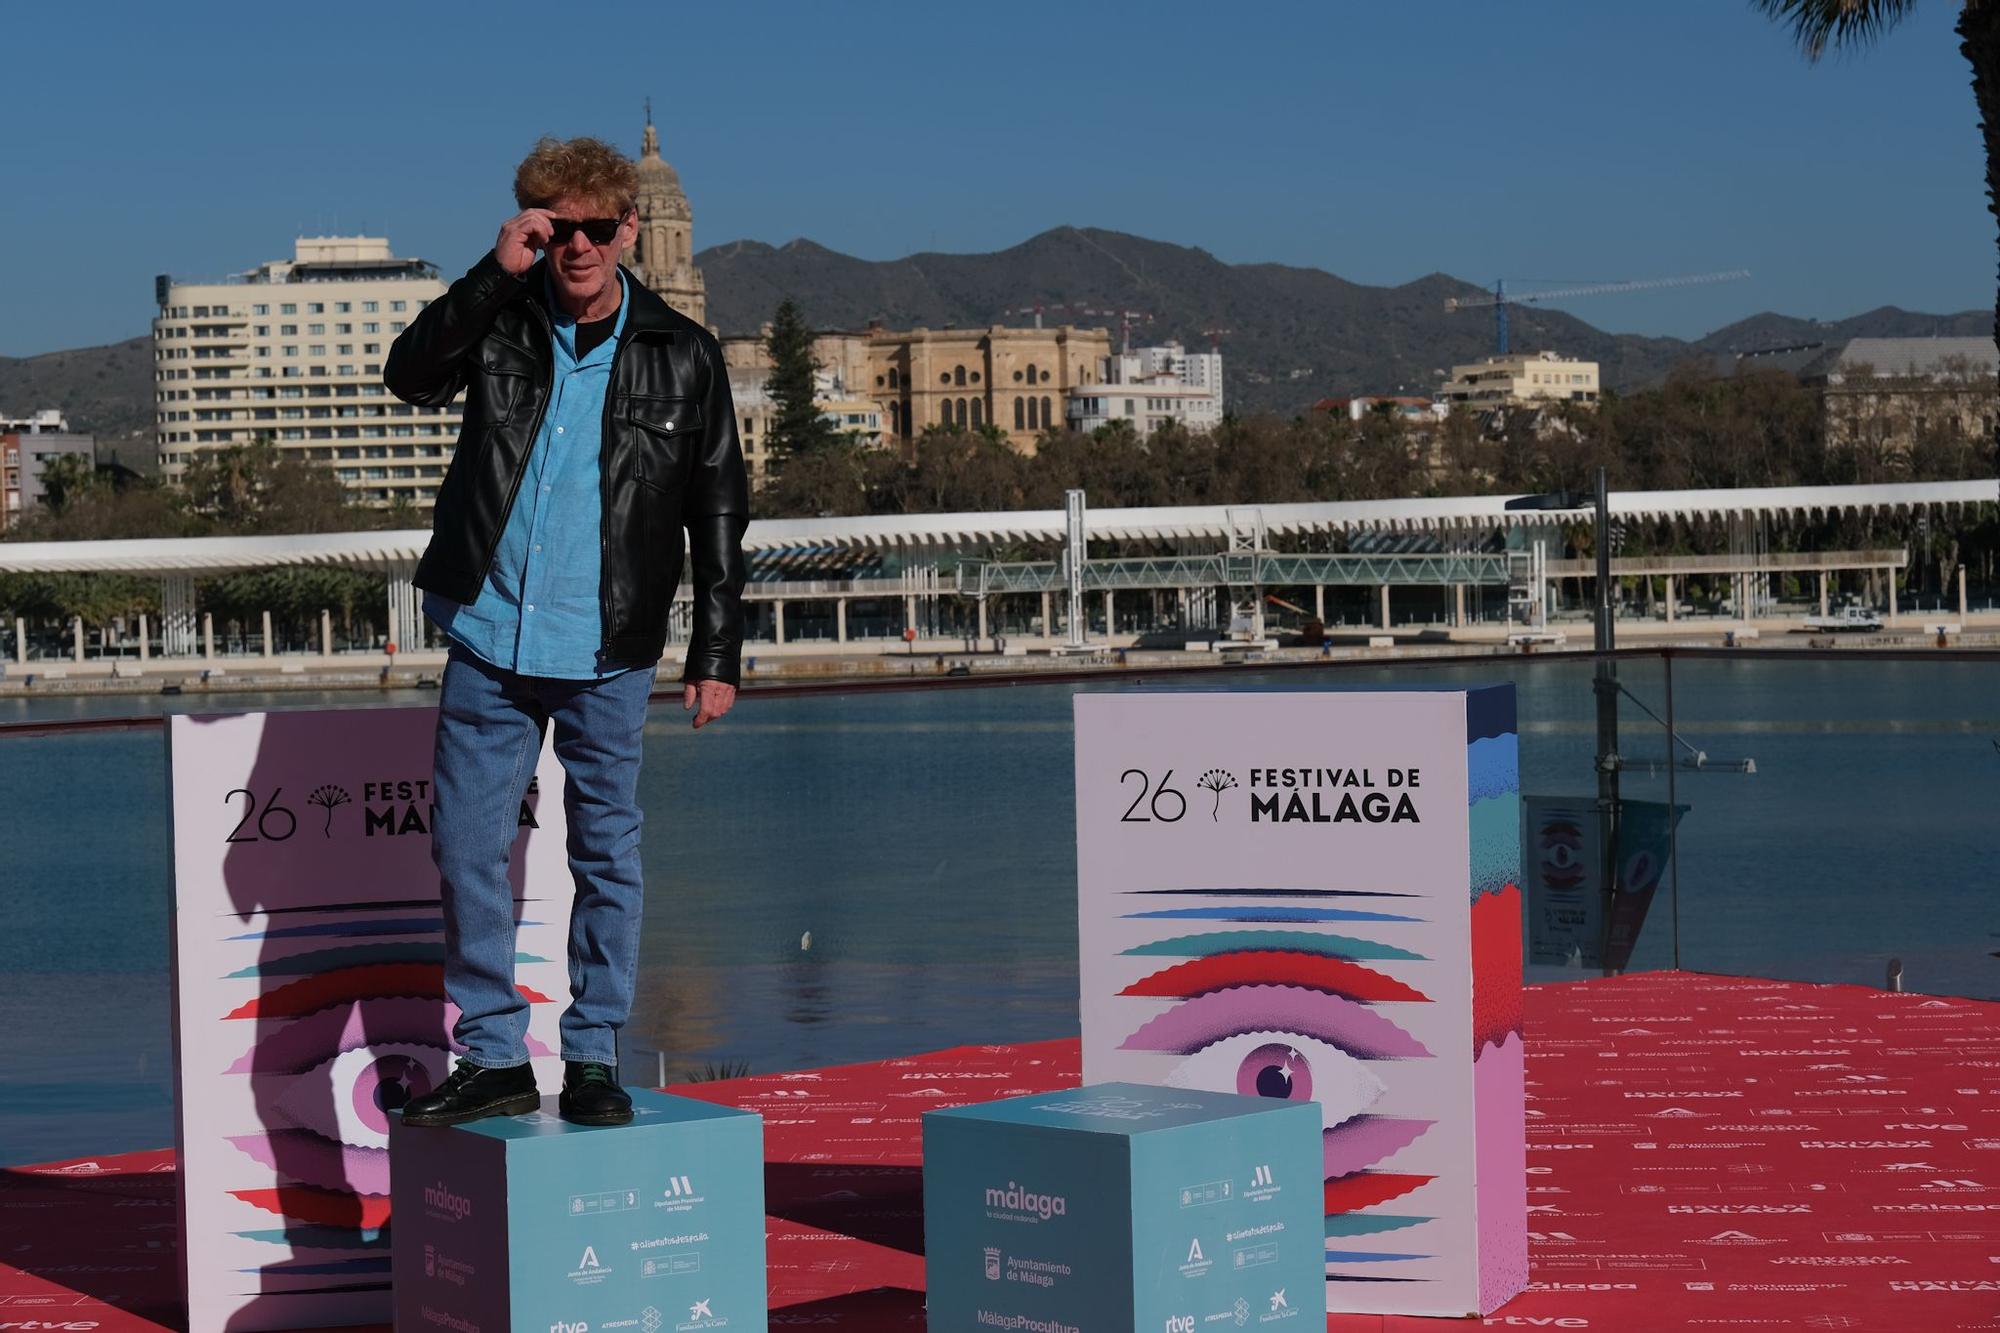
x,y
1543,139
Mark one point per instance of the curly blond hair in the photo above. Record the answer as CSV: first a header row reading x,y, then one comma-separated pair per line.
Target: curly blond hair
x,y
588,170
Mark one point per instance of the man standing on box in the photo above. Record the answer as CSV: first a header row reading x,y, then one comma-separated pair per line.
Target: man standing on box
x,y
598,427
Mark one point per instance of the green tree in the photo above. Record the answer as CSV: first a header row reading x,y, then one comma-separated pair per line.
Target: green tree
x,y
1847,24
799,429
952,469
95,597
828,481
70,479
247,489
293,594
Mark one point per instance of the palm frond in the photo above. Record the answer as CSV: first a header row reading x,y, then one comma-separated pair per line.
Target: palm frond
x,y
1819,24
717,1073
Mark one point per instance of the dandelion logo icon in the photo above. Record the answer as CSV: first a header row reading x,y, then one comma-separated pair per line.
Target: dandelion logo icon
x,y
1218,781
328,796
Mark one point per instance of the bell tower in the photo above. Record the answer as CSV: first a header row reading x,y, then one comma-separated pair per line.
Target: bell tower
x,y
663,255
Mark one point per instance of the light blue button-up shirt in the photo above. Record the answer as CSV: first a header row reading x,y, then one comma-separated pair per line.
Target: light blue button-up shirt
x,y
538,613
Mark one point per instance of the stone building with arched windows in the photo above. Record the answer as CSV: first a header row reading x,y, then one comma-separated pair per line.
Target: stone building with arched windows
x,y
1014,379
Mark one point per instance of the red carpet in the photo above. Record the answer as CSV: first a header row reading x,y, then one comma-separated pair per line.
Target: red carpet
x,y
1704,1154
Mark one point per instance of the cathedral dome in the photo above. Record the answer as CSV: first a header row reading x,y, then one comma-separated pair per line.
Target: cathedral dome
x,y
660,190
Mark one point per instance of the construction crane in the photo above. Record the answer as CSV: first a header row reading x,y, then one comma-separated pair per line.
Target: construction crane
x,y
1125,318
1501,298
1036,308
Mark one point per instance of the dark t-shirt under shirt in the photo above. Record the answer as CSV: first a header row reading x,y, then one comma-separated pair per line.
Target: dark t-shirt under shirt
x,y
591,334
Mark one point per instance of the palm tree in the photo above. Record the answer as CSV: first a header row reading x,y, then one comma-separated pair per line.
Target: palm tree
x,y
1850,24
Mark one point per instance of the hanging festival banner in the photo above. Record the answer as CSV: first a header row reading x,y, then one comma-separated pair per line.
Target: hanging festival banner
x,y
1568,925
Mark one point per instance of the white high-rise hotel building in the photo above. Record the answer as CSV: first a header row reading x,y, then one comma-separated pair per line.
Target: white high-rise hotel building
x,y
293,350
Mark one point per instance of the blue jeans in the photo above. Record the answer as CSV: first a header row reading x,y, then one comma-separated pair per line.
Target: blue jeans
x,y
491,722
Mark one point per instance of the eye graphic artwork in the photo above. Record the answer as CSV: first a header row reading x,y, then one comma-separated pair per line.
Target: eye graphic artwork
x,y
1365,1189
1642,871
1288,1042
330,1124
1253,941
1333,975
1370,1224
322,962
1366,1140
352,929
1560,843
1369,1257
335,1052
309,994
1206,1019
1252,912
1282,1010
1285,1067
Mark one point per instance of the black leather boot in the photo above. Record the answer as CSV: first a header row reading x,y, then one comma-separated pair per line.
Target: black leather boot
x,y
591,1095
471,1092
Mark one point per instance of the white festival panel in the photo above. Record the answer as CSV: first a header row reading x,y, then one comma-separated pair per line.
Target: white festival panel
x,y
1312,896
308,994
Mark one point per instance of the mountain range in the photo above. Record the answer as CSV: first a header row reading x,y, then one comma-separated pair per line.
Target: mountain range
x,y
1289,335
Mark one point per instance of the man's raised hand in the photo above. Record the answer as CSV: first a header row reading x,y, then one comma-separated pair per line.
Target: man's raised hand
x,y
520,236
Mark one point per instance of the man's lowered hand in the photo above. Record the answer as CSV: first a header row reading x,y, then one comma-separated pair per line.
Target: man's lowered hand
x,y
709,699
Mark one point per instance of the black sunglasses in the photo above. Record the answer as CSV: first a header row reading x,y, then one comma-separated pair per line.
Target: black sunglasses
x,y
599,231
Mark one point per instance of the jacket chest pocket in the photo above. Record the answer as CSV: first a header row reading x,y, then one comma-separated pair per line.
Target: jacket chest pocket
x,y
660,452
504,391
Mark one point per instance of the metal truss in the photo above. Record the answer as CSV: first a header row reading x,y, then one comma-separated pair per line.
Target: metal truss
x,y
1268,569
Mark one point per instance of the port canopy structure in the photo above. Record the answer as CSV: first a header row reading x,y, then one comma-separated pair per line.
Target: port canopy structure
x,y
1442,541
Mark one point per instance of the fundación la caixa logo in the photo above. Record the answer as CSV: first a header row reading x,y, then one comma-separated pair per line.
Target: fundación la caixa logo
x,y
1335,795
389,809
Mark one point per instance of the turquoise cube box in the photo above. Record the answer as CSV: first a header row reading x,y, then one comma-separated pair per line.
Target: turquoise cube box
x,y
528,1223
1123,1206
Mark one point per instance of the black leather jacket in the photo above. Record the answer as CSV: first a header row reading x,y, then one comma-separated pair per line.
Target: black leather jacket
x,y
669,459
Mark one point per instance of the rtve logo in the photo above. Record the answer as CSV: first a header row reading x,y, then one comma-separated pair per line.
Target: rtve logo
x,y
562,1326
1180,1323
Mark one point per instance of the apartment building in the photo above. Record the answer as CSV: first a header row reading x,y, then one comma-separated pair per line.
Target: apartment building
x,y
27,446
292,351
1502,381
1149,388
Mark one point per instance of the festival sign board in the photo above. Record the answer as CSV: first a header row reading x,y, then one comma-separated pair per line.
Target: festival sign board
x,y
1312,896
308,993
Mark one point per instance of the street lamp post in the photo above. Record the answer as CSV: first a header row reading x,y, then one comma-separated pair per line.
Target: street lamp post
x,y
1604,684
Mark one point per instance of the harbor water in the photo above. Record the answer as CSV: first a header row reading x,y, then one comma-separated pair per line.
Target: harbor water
x,y
856,874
